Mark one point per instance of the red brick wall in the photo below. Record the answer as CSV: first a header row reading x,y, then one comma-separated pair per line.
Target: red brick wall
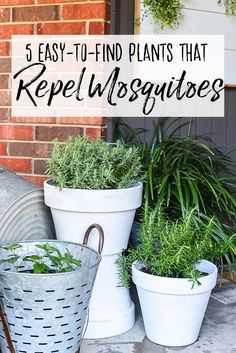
x,y
25,142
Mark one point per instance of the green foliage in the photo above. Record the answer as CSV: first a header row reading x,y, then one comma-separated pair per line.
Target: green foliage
x,y
185,172
12,247
52,260
230,6
84,164
171,248
168,13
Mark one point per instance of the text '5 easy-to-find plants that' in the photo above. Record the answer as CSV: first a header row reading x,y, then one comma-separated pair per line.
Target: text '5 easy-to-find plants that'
x,y
50,261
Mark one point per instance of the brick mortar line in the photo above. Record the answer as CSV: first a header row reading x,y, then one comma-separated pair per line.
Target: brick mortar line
x,y
26,141
15,157
9,41
87,27
29,142
7,148
10,123
100,19
60,11
52,4
40,159
38,175
26,158
93,126
33,130
10,14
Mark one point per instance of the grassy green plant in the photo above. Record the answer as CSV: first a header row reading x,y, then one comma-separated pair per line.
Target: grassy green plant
x,y
171,248
51,261
168,13
185,172
84,164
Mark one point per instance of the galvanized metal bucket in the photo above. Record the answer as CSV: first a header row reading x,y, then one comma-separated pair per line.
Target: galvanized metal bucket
x,y
45,313
23,214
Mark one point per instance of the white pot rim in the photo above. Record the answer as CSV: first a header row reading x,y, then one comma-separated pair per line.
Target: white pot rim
x,y
176,286
83,200
136,185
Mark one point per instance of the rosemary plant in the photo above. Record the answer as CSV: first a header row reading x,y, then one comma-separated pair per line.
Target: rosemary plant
x,y
171,248
81,163
185,172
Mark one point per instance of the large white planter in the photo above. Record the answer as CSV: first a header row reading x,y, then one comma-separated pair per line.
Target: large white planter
x,y
73,210
172,310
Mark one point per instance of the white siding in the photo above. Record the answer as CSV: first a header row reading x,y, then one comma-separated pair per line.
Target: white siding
x,y
204,17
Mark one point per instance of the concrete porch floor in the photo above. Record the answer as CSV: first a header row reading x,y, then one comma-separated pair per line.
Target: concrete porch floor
x,y
218,335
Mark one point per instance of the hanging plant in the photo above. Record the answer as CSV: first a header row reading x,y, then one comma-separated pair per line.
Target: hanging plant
x,y
168,13
230,6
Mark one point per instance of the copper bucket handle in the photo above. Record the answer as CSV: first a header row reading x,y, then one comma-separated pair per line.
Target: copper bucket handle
x,y
7,331
100,233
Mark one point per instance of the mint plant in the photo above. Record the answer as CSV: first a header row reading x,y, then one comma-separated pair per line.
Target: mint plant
x,y
52,260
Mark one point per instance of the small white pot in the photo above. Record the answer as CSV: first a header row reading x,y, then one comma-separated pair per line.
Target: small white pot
x,y
73,210
172,310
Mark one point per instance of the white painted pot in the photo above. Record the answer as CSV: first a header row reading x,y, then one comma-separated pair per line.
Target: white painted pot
x,y
73,210
172,310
